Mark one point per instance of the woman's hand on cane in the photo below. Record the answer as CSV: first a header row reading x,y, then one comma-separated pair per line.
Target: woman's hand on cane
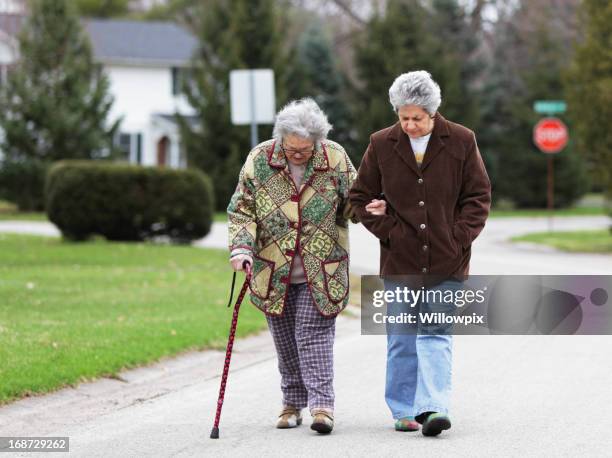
x,y
247,265
242,262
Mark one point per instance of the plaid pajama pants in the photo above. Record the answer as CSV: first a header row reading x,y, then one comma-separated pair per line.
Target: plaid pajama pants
x,y
304,341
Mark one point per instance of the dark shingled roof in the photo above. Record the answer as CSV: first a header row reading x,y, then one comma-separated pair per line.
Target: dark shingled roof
x,y
138,42
150,42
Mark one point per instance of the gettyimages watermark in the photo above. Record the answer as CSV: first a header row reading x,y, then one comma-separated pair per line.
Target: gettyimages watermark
x,y
486,304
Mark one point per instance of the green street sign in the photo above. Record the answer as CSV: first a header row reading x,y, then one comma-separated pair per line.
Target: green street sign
x,y
549,106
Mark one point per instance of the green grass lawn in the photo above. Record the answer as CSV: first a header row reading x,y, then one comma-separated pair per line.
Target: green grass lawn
x,y
73,312
9,211
542,212
40,216
23,216
220,217
577,241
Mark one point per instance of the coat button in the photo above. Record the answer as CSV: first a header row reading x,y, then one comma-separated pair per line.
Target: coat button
x,y
293,224
424,270
422,226
425,247
420,181
421,204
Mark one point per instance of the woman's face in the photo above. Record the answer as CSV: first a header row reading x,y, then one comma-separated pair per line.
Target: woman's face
x,y
298,150
415,121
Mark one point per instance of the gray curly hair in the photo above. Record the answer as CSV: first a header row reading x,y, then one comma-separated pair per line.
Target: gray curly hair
x,y
303,118
415,88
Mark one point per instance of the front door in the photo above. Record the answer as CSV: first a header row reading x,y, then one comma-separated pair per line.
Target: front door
x,y
163,146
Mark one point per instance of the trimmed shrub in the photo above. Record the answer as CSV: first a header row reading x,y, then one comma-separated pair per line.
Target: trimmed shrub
x,y
22,183
127,202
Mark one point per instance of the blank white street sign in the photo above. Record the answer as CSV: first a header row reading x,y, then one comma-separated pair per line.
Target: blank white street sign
x,y
261,83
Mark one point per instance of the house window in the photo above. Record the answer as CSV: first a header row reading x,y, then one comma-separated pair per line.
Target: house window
x,y
139,148
3,74
180,78
130,147
176,81
124,143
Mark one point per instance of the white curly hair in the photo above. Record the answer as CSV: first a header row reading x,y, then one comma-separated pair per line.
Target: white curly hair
x,y
415,88
303,118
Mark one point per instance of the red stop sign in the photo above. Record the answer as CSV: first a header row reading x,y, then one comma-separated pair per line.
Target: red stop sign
x,y
550,135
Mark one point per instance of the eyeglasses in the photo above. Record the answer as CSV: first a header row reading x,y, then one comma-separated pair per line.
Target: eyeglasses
x,y
291,152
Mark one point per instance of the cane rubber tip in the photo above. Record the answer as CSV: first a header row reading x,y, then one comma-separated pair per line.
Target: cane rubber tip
x,y
214,434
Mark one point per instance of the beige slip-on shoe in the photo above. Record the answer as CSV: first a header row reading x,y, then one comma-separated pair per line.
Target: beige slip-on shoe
x,y
290,417
323,421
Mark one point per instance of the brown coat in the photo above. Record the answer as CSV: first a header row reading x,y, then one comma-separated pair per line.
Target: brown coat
x,y
435,211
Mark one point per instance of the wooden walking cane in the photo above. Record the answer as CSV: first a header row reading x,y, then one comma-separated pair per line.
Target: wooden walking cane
x,y
214,434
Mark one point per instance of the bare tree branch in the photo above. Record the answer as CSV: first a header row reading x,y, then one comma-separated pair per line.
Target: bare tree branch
x,y
476,15
344,6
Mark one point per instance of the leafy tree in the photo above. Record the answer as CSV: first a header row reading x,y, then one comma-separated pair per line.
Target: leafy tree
x,y
589,91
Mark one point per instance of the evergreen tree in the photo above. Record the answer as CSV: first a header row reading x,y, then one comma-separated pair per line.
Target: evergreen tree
x,y
455,42
589,90
314,74
391,44
527,63
410,37
234,34
55,103
102,8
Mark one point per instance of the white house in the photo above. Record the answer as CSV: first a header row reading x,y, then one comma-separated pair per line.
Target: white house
x,y
144,62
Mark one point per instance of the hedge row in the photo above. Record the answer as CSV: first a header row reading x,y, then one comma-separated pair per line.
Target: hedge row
x,y
127,202
22,183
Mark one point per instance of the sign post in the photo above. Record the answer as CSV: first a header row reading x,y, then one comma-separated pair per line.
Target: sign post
x,y
550,135
252,99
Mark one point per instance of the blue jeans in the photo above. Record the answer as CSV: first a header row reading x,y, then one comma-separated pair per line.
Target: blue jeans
x,y
419,364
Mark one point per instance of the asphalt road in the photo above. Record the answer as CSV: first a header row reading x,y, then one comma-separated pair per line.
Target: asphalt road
x,y
512,395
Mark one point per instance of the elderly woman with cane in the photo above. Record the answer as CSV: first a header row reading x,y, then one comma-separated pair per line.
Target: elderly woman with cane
x,y
288,221
431,200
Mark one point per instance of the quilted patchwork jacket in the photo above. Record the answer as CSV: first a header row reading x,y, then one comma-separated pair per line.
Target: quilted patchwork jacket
x,y
271,220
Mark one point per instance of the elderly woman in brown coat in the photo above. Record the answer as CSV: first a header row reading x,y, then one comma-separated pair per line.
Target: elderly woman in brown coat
x,y
431,200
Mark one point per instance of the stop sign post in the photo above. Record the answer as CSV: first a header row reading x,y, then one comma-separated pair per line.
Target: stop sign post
x,y
550,135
